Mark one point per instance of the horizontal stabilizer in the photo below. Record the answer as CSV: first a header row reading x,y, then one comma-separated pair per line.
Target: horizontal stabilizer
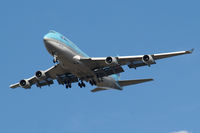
x,y
132,82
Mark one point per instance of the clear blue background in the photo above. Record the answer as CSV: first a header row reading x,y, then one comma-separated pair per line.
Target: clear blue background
x,y
102,28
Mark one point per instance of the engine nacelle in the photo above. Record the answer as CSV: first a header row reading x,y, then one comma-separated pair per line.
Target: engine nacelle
x,y
24,83
148,59
111,60
40,75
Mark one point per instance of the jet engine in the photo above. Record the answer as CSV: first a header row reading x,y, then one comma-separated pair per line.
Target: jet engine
x,y
148,59
40,75
111,60
24,83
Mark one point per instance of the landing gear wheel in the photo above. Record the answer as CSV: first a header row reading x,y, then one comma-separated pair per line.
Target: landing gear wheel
x,y
83,84
66,86
91,82
80,85
70,86
94,82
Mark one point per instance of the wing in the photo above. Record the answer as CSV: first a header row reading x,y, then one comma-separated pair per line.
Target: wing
x,y
47,77
131,61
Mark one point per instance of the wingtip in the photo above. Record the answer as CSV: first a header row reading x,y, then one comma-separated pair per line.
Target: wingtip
x,y
11,86
149,79
190,51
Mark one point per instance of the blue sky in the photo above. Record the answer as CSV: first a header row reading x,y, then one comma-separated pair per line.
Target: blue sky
x,y
170,104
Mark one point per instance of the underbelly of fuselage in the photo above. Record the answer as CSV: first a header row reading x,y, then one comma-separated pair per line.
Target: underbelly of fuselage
x,y
65,56
69,59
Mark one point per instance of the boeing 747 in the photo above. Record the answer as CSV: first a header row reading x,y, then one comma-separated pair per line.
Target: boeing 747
x,y
72,65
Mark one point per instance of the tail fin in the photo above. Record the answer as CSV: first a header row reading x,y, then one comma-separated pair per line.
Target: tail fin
x,y
132,82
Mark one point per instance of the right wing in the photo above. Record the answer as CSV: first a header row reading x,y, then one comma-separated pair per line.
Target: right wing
x,y
55,72
131,61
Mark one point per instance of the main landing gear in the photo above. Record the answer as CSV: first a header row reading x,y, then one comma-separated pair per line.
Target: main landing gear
x,y
81,84
68,85
92,82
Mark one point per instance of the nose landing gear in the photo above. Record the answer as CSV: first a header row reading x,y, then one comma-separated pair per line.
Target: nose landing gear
x,y
55,59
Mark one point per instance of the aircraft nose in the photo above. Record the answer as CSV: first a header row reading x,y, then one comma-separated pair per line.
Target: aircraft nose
x,y
50,44
47,42
45,39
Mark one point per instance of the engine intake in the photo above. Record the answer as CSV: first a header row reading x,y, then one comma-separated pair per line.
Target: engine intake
x,y
40,75
111,60
24,84
148,59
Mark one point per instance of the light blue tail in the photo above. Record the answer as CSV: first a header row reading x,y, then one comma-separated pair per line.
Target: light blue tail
x,y
116,77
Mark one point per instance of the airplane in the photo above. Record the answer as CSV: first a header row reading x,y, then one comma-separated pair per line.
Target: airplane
x,y
72,65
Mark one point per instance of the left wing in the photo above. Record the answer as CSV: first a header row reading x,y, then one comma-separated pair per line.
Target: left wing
x,y
46,77
131,61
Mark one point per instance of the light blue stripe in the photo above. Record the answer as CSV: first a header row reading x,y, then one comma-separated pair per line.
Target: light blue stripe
x,y
59,37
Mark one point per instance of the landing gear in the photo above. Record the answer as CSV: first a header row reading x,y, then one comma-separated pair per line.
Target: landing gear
x,y
92,82
68,85
55,59
100,80
81,84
